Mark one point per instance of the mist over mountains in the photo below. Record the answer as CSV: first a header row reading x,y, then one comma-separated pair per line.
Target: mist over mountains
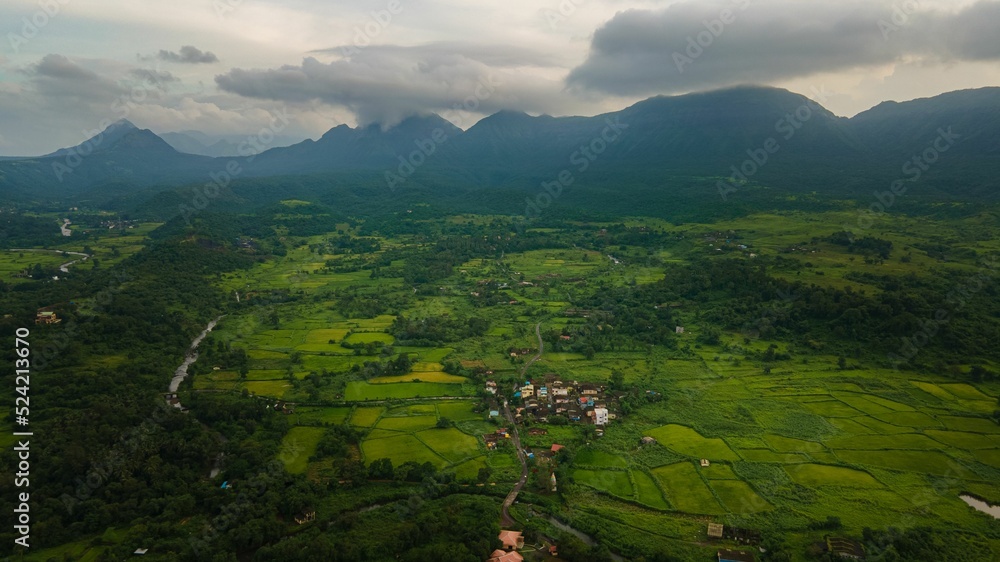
x,y
785,139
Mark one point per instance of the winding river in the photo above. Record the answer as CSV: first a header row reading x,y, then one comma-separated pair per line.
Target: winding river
x,y
587,539
192,355
64,267
981,505
182,372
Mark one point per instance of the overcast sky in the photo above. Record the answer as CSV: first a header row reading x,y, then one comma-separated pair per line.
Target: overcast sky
x,y
226,66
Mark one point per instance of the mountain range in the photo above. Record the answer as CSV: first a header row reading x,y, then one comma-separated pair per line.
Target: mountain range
x,y
754,135
202,144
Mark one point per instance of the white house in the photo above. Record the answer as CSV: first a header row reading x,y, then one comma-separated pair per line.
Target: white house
x,y
600,416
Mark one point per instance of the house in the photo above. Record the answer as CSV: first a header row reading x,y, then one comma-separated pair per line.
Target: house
x,y
491,387
726,555
140,551
527,391
744,536
560,391
556,447
588,390
679,330
705,463
845,548
47,317
305,517
647,440
511,540
715,530
501,556
600,416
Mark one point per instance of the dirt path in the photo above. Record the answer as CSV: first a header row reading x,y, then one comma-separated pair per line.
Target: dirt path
x,y
505,519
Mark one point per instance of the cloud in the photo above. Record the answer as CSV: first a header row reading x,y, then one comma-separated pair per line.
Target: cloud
x,y
60,101
56,77
492,55
188,55
60,67
708,44
154,77
388,83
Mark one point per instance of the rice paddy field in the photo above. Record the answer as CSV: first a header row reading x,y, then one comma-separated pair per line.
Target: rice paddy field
x,y
899,455
410,433
732,444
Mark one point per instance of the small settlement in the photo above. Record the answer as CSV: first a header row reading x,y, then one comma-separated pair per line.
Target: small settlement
x,y
543,399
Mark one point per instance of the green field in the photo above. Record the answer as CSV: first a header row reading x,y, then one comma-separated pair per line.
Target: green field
x,y
614,482
685,490
738,497
818,475
930,462
687,441
400,449
361,391
791,441
450,443
11,263
369,337
422,376
457,410
406,423
322,415
598,458
647,492
365,417
409,433
298,445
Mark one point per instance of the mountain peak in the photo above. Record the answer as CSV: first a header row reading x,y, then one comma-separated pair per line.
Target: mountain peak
x,y
120,133
121,123
423,122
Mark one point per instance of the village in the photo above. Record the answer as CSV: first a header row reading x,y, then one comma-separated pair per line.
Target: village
x,y
551,400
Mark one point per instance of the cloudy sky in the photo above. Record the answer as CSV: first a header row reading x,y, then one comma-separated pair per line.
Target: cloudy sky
x,y
226,66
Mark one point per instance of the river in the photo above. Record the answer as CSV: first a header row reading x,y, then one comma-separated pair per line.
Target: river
x,y
64,267
981,505
182,372
587,539
192,355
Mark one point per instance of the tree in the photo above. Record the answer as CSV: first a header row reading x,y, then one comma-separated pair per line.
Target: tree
x,y
444,423
380,469
484,475
617,381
